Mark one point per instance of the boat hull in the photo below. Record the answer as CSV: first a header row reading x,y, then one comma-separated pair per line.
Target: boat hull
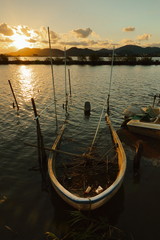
x,y
144,128
86,204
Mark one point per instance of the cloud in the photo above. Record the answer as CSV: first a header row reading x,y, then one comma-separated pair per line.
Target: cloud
x,y
127,42
89,43
25,30
54,36
74,43
103,43
43,35
155,44
6,30
128,29
82,33
31,40
82,38
6,40
145,36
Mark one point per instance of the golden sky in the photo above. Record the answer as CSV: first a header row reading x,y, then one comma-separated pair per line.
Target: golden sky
x,y
78,23
13,38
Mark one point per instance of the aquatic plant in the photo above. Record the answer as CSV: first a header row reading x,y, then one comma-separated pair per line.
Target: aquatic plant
x,y
87,227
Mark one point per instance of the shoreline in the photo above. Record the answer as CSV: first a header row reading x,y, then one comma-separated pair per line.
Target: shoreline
x,y
76,62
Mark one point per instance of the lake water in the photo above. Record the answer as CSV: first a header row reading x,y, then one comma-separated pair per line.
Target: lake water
x,y
27,208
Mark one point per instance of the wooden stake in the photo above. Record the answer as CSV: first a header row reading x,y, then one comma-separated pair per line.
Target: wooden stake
x,y
138,155
41,150
13,95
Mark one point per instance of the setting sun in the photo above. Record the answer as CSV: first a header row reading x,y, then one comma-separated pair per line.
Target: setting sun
x,y
20,41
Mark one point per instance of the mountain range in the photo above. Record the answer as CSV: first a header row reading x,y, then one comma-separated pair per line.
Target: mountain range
x,y
128,50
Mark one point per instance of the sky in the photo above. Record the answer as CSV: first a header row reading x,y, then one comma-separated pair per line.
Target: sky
x,y
93,24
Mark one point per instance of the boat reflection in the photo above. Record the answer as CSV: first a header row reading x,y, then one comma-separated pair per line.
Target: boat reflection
x,y
109,214
150,145
144,151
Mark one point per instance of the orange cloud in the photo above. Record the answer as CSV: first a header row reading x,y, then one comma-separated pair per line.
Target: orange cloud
x,y
31,40
155,44
6,40
80,43
5,30
14,37
42,35
26,31
145,36
127,42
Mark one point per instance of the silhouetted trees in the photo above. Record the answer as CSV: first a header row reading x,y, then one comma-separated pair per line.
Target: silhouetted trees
x,y
93,59
3,58
82,58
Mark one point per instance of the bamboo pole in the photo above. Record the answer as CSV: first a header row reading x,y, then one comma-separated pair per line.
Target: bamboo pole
x,y
53,82
55,150
69,77
65,79
13,95
110,80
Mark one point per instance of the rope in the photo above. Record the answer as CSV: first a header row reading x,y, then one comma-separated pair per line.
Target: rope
x,y
104,103
108,152
45,108
97,127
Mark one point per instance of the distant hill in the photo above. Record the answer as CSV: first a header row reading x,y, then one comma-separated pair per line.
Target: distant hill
x,y
29,52
133,50
79,52
128,50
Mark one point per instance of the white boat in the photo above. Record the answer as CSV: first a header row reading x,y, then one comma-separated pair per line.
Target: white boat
x,y
143,121
84,199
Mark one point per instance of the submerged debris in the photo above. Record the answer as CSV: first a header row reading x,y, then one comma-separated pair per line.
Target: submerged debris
x,y
3,199
93,172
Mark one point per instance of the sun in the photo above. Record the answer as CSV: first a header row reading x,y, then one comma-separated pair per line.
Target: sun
x,y
20,41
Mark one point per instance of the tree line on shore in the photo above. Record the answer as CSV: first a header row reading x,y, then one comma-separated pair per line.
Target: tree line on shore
x,y
93,59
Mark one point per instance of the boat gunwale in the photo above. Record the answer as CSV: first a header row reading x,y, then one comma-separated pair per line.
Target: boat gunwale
x,y
144,125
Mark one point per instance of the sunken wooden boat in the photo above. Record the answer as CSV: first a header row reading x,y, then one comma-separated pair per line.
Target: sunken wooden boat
x,y
97,188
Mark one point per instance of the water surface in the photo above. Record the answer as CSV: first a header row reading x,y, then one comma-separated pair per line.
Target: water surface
x,y
27,210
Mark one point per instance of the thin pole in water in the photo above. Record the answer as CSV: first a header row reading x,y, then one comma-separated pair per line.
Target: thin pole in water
x,y
54,92
65,78
13,95
69,77
110,80
42,158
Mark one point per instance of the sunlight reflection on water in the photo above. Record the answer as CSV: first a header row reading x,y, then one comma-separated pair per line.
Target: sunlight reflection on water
x,y
26,82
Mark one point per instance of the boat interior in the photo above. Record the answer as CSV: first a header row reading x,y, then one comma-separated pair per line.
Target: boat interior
x,y
150,114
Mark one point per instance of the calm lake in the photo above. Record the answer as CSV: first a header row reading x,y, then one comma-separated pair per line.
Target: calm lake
x,y
27,208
